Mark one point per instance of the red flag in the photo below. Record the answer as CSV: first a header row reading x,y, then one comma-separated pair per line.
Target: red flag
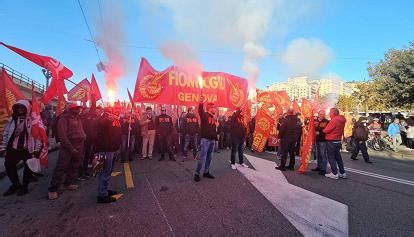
x,y
131,99
80,91
95,89
38,130
60,107
295,106
308,139
283,99
264,124
9,94
58,70
306,108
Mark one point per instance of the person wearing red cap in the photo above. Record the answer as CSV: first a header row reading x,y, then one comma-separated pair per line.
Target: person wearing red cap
x,y
72,139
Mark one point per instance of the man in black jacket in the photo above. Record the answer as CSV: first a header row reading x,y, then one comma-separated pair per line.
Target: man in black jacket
x,y
360,134
164,128
319,150
288,134
208,133
190,130
109,128
238,137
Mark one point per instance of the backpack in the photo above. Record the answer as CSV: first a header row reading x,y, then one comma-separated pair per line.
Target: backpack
x,y
361,133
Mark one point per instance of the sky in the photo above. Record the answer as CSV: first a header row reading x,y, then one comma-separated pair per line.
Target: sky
x,y
319,37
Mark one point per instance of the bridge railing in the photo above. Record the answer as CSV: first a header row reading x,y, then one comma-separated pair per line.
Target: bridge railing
x,y
22,79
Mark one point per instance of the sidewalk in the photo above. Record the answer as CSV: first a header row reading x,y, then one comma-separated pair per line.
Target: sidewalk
x,y
52,147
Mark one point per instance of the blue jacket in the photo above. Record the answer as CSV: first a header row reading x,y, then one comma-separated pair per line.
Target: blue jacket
x,y
393,129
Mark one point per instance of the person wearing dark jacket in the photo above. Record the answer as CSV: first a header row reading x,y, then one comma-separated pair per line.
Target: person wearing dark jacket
x,y
190,130
238,137
72,139
208,133
360,134
164,129
179,127
288,134
89,122
333,135
109,128
319,150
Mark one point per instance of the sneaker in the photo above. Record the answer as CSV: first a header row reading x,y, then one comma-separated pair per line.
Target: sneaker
x,y
53,195
353,158
12,189
342,176
233,166
244,165
107,199
71,187
149,157
143,157
322,172
208,175
112,192
280,168
83,178
332,176
22,191
197,178
369,162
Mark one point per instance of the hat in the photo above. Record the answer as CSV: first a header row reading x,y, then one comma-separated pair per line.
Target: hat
x,y
72,105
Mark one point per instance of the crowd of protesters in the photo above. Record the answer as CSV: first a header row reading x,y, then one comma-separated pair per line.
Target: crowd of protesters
x,y
91,139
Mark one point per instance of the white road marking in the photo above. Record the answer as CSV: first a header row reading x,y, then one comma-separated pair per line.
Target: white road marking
x,y
379,176
310,213
159,206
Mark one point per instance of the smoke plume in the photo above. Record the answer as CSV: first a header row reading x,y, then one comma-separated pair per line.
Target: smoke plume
x,y
306,57
182,55
234,23
110,37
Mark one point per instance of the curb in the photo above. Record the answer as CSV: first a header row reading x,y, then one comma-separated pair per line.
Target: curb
x,y
20,165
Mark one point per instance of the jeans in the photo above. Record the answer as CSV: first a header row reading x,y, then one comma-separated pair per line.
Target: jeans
x,y
207,147
190,140
396,142
103,178
164,142
13,157
237,146
288,147
320,153
127,154
360,146
334,157
148,143
67,164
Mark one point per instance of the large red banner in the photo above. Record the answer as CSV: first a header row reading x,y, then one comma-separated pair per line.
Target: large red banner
x,y
277,98
175,86
80,92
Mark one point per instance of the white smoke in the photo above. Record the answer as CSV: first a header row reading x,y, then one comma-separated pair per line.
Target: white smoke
x,y
306,57
235,23
182,55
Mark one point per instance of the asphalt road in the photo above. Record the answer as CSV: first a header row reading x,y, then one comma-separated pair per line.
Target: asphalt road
x,y
165,201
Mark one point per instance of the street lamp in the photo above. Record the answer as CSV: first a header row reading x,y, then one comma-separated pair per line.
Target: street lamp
x,y
47,75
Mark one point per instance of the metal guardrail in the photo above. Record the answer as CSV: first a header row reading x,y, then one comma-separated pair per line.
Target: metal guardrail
x,y
22,79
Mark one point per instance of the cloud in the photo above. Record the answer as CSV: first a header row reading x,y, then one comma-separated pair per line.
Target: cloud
x,y
306,57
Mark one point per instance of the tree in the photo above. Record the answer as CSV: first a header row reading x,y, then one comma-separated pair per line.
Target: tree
x,y
368,99
347,103
393,77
